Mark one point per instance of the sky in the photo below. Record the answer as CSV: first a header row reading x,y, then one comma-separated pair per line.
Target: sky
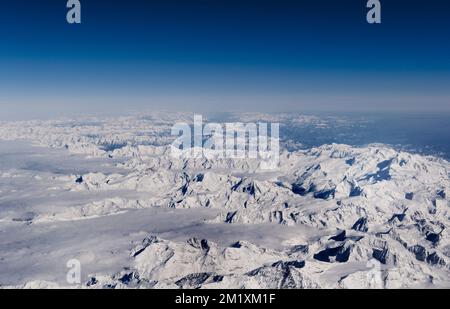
x,y
217,55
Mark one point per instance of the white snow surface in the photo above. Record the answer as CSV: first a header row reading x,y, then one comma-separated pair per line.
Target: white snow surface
x,y
110,193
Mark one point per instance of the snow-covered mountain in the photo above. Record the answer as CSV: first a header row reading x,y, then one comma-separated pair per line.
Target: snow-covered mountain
x,y
342,217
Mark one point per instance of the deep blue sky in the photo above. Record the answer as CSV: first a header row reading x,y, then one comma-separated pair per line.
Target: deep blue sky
x,y
223,55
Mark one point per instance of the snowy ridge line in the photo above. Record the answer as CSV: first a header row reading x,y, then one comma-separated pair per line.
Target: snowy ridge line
x,y
199,263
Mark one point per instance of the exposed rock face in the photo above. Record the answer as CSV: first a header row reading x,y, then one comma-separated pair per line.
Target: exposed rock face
x,y
360,225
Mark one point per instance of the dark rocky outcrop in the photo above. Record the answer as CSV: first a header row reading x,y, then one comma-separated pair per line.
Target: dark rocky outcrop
x,y
433,237
420,252
193,281
409,196
435,260
230,216
339,237
381,255
325,194
361,225
341,254
283,265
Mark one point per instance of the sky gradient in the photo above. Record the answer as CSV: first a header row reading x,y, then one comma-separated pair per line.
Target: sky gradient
x,y
223,55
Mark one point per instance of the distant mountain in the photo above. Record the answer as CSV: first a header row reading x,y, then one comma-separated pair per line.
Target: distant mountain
x,y
374,216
